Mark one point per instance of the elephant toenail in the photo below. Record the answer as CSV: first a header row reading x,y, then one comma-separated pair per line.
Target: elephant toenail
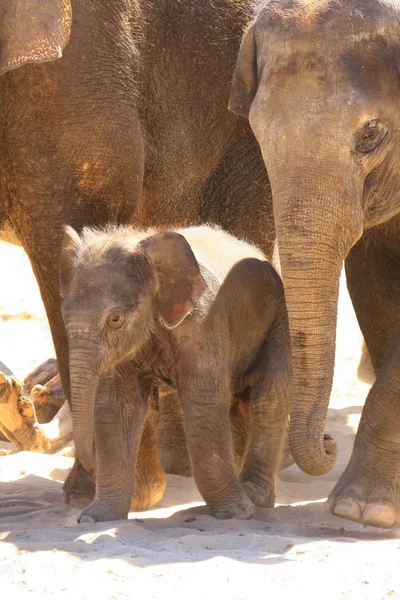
x,y
347,509
379,515
329,504
86,519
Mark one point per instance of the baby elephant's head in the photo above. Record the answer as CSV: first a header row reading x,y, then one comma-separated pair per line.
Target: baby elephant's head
x,y
116,285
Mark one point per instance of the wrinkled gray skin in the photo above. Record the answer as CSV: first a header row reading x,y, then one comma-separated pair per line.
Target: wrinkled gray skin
x,y
319,82
199,310
116,111
171,439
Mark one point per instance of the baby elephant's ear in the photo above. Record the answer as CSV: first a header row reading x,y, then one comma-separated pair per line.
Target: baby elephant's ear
x,y
180,284
70,246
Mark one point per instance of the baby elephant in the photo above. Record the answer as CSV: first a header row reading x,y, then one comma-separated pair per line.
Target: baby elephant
x,y
199,310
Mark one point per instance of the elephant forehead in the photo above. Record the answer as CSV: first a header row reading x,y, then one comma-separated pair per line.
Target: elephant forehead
x,y
324,63
350,16
313,33
102,288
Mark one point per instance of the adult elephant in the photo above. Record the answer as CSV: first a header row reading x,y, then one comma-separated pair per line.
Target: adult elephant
x,y
116,111
319,82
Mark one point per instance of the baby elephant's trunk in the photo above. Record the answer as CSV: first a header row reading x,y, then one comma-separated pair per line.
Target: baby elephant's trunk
x,y
84,381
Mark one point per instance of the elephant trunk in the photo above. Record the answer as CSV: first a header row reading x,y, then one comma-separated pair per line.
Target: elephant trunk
x,y
84,374
317,223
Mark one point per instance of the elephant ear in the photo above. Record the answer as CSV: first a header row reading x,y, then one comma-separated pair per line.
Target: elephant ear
x,y
245,76
33,31
180,284
69,249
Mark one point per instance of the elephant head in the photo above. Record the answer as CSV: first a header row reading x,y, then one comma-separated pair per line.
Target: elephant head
x,y
319,83
32,31
117,287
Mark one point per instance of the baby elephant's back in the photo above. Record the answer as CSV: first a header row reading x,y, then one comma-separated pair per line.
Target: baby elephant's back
x,y
218,250
251,290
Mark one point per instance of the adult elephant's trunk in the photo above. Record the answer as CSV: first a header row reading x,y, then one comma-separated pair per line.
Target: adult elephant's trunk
x,y
317,222
84,374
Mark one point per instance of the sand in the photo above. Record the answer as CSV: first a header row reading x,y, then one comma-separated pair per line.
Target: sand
x,y
177,550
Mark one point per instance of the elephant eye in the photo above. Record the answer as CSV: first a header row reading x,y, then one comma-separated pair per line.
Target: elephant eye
x,y
370,136
115,320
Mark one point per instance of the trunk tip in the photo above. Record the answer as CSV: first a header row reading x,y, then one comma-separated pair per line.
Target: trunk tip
x,y
87,460
314,458
87,463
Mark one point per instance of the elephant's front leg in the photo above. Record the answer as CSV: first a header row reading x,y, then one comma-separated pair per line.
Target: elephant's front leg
x,y
121,405
170,431
206,418
369,489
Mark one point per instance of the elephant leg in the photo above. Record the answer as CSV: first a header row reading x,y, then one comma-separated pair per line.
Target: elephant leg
x,y
150,480
268,427
240,419
240,425
369,489
269,381
171,437
373,281
121,406
208,433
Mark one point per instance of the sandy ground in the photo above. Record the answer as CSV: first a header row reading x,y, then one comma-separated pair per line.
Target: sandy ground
x,y
177,550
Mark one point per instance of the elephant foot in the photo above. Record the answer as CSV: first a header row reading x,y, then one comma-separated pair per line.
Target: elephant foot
x,y
261,495
80,486
369,489
97,513
241,508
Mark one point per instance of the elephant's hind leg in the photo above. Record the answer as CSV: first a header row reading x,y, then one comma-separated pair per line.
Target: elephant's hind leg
x,y
170,432
269,413
267,429
150,480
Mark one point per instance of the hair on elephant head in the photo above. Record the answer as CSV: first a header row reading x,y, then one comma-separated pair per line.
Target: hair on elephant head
x,y
33,31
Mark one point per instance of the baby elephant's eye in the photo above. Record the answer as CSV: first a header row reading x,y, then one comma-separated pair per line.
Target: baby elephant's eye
x,y
115,320
370,136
